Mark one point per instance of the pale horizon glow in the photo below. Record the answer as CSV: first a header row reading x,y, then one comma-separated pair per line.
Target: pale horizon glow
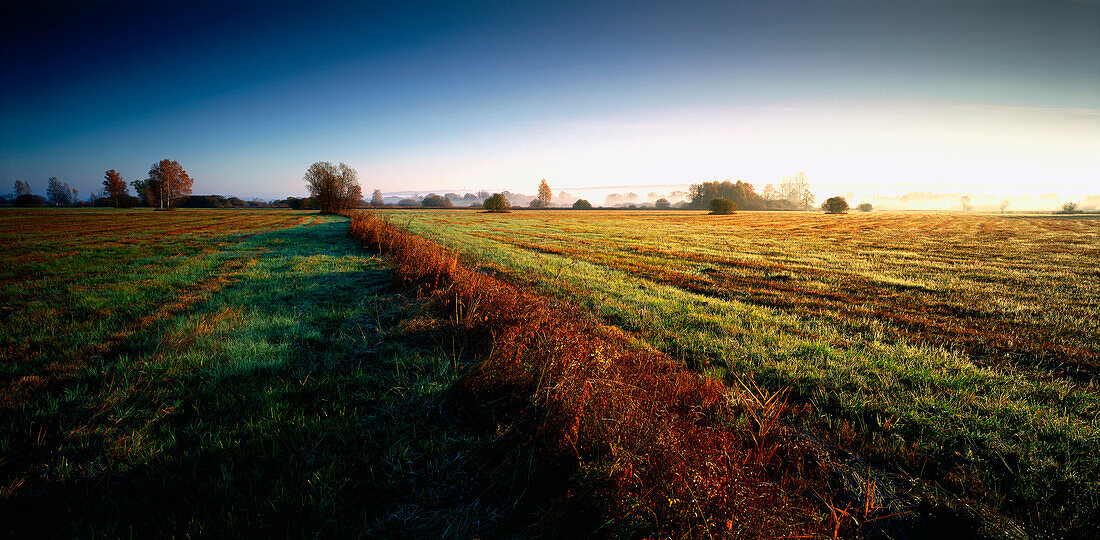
x,y
891,99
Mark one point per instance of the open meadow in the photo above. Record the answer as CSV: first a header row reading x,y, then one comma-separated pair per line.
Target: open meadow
x,y
598,373
956,352
219,373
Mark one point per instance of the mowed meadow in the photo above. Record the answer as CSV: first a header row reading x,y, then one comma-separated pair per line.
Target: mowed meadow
x,y
220,373
454,373
957,353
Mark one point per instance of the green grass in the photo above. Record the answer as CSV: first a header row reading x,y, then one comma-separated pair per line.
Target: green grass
x,y
992,403
294,391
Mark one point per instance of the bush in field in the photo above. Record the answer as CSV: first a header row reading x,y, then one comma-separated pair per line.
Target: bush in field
x,y
722,206
835,205
865,207
28,199
1069,208
436,201
498,203
582,204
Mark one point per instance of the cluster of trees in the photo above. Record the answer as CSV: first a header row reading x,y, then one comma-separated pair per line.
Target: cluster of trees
x,y
793,193
166,184
58,193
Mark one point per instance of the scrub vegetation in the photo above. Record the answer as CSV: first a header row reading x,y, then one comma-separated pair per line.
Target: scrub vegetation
x,y
956,353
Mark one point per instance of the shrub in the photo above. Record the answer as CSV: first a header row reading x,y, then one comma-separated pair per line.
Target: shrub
x,y
582,204
29,200
835,205
203,201
1068,208
437,201
408,202
722,206
497,203
865,207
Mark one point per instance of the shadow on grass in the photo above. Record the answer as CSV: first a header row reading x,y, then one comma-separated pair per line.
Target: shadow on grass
x,y
305,398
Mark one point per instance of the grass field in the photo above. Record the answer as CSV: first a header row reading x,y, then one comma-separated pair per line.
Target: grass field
x,y
225,373
955,351
256,372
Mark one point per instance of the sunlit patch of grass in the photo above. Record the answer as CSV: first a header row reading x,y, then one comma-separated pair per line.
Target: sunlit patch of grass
x,y
914,336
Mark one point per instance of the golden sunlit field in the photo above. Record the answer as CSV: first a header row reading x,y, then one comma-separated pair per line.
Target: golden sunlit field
x,y
956,352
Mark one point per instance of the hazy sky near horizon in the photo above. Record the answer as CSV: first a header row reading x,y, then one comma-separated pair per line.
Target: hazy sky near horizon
x,y
871,97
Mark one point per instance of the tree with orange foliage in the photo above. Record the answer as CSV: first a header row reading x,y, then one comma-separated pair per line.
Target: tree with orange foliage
x,y
544,197
114,186
167,181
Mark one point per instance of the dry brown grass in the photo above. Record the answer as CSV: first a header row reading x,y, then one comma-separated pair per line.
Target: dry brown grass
x,y
653,434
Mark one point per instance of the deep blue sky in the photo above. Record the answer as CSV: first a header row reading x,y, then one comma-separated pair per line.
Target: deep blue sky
x,y
876,96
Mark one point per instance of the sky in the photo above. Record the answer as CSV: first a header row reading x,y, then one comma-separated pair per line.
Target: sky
x,y
880,97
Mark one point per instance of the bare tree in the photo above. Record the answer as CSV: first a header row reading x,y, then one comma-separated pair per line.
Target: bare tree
x,y
59,193
770,193
796,190
22,188
336,187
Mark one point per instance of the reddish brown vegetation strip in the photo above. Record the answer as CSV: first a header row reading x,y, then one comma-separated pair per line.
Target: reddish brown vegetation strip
x,y
657,432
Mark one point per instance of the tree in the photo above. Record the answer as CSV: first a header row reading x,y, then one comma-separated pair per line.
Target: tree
x,y
835,205
167,182
1069,208
114,187
741,193
141,188
376,199
865,207
796,190
335,186
965,203
497,203
544,196
436,201
722,206
22,188
59,193
662,204
582,204
1004,205
770,193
